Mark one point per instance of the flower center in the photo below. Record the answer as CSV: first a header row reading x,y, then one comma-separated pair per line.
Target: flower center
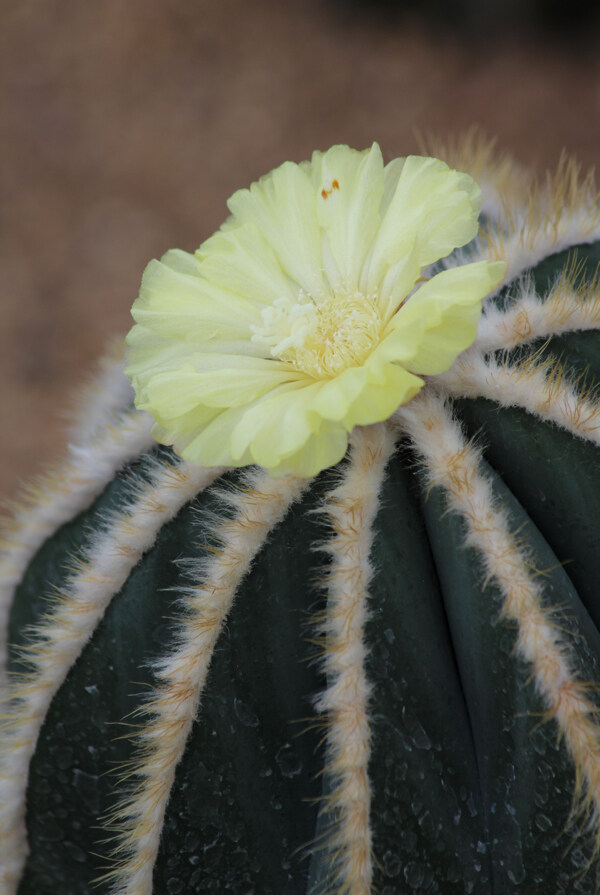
x,y
322,338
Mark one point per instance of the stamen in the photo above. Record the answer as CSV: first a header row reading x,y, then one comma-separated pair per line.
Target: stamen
x,y
322,338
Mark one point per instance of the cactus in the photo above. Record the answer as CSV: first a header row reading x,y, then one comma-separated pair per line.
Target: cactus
x,y
381,678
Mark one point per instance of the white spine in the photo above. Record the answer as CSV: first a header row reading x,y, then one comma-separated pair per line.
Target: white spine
x,y
58,639
350,511
169,714
108,393
540,388
531,242
529,317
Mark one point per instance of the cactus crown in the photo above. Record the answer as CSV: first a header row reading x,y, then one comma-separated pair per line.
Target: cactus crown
x,y
537,337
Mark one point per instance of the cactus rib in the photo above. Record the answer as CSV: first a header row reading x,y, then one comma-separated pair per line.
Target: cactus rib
x,y
59,496
59,638
454,463
570,307
540,387
258,507
350,512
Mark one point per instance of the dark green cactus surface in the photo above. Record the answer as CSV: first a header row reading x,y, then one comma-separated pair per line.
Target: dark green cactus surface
x,y
472,791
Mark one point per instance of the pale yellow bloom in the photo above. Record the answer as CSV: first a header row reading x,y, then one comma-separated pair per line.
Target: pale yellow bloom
x,y
307,314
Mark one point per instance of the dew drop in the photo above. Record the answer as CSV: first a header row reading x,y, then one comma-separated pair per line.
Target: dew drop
x,y
75,852
578,859
245,713
391,864
289,763
409,840
191,842
516,875
51,832
64,758
86,785
543,822
414,874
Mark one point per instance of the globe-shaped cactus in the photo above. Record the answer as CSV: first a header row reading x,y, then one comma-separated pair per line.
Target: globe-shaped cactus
x,y
296,668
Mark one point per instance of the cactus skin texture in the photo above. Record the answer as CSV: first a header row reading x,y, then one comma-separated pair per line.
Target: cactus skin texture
x,y
383,680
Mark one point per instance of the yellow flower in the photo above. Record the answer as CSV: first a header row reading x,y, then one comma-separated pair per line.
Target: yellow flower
x,y
299,319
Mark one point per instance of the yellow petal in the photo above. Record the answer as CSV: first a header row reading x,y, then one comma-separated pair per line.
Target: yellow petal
x,y
284,208
183,306
322,449
252,433
210,445
278,425
432,207
240,261
150,353
349,187
365,395
183,389
440,320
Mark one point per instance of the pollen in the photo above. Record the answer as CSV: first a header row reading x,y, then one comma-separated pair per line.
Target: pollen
x,y
335,185
321,338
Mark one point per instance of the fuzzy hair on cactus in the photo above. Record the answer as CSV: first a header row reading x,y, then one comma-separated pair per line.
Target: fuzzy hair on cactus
x,y
358,653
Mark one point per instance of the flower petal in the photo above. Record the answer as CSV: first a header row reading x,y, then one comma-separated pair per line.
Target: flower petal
x,y
184,306
278,425
183,389
364,395
283,206
256,433
432,207
440,320
210,445
240,261
149,353
349,187
322,449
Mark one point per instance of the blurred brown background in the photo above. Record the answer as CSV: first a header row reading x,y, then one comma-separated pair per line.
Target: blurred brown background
x,y
126,124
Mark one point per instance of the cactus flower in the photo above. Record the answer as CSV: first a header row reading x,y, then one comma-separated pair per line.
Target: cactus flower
x,y
308,313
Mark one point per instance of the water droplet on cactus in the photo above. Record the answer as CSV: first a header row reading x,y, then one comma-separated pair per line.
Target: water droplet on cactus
x,y
391,864
542,822
516,876
578,858
415,874
245,713
76,853
50,831
191,841
87,786
409,841
288,761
